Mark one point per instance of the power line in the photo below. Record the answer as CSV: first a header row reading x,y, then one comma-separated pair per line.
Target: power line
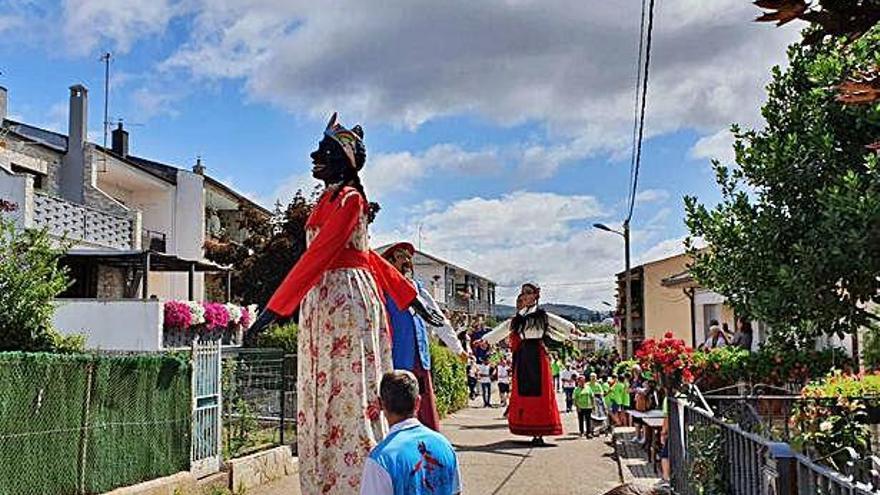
x,y
636,99
648,37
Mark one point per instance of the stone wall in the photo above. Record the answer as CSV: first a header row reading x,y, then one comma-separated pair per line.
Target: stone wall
x,y
111,282
258,469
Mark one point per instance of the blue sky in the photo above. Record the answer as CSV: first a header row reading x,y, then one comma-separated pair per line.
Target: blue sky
x,y
501,127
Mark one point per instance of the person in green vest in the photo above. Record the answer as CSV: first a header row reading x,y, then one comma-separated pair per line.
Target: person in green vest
x,y
584,400
555,368
618,398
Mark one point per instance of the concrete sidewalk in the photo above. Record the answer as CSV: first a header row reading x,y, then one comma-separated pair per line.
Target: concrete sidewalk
x,y
494,462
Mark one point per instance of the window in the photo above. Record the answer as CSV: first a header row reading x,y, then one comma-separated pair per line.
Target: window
x,y
38,177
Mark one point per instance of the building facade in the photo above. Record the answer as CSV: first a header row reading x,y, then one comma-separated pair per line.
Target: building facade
x,y
135,228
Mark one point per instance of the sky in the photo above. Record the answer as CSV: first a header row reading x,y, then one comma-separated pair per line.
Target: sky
x,y
499,130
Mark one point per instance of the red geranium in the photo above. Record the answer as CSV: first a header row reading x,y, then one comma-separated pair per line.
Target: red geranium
x,y
668,357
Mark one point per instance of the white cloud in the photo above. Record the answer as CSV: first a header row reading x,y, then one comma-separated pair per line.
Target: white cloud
x,y
408,62
652,196
523,236
90,25
718,146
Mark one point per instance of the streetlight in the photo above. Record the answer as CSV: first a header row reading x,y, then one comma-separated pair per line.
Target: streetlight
x,y
625,235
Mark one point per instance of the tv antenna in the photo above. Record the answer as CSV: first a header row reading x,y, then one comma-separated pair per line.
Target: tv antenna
x,y
106,59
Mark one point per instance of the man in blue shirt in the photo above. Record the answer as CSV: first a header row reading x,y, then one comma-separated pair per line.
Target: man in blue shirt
x,y
412,459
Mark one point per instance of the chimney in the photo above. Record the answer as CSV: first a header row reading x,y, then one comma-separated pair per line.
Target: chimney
x,y
120,141
198,168
3,103
73,169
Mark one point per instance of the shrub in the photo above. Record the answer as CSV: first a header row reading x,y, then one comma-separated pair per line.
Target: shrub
x,y
280,337
30,279
450,379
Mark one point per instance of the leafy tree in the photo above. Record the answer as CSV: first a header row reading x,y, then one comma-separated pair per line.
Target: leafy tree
x,y
269,252
795,240
30,279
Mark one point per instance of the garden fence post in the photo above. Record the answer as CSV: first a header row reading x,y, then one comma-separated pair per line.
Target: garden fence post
x,y
84,429
283,394
779,476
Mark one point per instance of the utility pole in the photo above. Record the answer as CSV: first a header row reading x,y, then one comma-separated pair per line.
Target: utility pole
x,y
629,321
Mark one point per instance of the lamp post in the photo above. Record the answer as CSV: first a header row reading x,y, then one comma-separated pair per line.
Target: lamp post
x,y
629,326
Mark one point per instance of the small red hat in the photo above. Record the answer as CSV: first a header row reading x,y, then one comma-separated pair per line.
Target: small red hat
x,y
400,245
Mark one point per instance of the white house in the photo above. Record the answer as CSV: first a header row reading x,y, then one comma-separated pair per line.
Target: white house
x,y
455,288
137,227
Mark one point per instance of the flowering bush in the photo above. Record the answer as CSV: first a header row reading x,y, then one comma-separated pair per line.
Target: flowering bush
x,y
184,315
823,429
178,315
670,358
838,384
216,316
727,366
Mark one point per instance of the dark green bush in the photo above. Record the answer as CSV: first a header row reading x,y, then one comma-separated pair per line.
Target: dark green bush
x,y
280,337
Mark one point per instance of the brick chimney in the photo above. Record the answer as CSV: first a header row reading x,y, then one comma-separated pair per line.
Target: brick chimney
x,y
73,168
120,141
3,103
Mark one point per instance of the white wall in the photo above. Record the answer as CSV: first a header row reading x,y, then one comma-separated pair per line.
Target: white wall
x,y
128,324
19,190
425,270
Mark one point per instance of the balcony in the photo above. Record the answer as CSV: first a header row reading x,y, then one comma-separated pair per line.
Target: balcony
x,y
82,224
154,241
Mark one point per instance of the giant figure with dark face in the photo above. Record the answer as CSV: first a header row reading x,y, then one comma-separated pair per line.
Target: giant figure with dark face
x,y
344,344
532,409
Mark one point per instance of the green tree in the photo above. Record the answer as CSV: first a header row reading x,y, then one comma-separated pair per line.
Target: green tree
x,y
795,239
265,257
30,279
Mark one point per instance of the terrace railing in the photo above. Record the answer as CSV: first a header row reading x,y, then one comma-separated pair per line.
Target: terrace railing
x,y
749,463
82,223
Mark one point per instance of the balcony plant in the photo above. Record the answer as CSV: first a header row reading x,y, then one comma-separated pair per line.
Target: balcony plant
x,y
208,320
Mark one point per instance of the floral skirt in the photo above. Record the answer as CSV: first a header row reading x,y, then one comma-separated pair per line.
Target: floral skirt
x,y
344,348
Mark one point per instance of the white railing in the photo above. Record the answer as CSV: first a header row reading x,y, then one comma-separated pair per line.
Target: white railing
x,y
82,223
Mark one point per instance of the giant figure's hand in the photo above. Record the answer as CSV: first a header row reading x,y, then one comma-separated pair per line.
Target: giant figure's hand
x,y
266,318
430,316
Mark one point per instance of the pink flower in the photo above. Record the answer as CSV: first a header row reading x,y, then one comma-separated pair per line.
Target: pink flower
x,y
216,316
245,318
177,315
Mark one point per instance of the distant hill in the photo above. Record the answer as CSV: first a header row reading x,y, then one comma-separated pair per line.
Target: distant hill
x,y
567,311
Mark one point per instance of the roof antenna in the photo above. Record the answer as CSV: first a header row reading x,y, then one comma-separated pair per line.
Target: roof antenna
x,y
106,59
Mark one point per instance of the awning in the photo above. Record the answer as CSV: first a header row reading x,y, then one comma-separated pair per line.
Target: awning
x,y
682,280
158,262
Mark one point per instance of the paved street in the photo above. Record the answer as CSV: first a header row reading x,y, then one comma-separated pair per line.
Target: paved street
x,y
494,462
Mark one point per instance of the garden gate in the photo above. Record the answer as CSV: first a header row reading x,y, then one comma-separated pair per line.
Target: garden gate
x,y
206,407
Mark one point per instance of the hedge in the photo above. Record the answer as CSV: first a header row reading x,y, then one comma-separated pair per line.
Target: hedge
x,y
73,424
449,374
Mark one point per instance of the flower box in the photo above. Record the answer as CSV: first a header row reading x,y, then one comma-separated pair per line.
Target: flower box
x,y
185,320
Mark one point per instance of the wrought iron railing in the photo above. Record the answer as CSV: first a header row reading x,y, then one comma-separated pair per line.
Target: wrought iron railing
x,y
751,464
155,241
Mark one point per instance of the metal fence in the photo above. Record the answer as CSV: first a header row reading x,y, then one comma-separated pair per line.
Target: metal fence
x,y
748,463
259,400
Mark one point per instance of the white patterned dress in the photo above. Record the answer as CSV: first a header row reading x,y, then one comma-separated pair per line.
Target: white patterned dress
x,y
344,348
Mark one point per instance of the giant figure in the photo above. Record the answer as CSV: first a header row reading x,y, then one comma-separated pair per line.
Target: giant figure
x,y
532,410
344,343
410,330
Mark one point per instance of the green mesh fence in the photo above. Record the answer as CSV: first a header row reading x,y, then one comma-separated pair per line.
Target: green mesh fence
x,y
88,424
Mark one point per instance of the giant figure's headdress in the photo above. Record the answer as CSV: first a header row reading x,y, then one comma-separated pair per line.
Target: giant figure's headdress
x,y
349,140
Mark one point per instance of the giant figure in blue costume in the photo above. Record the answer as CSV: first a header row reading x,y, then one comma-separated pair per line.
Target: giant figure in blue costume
x,y
410,334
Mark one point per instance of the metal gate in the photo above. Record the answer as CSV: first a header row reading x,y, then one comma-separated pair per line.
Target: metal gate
x,y
206,407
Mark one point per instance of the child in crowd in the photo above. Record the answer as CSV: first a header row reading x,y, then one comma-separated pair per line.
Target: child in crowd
x,y
583,402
